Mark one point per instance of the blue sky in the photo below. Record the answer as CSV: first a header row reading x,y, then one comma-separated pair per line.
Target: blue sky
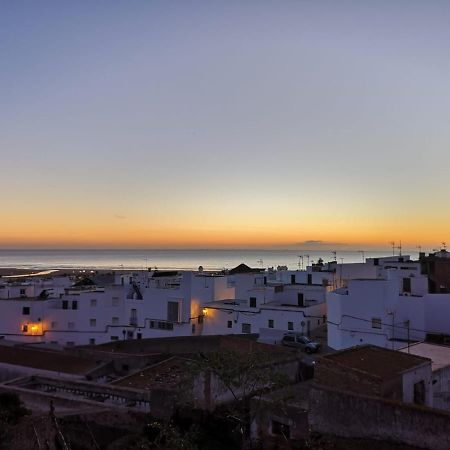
x,y
189,123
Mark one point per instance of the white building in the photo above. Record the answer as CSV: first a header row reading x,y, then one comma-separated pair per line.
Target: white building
x,y
386,311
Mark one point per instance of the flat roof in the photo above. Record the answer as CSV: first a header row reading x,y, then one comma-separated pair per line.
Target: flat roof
x,y
439,354
378,361
168,374
56,361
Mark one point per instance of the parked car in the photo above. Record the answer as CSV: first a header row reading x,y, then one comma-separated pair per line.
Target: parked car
x,y
301,342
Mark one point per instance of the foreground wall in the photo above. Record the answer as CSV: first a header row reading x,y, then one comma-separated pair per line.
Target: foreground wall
x,y
349,415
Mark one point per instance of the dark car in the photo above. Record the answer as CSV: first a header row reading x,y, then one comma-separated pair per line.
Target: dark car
x,y
301,342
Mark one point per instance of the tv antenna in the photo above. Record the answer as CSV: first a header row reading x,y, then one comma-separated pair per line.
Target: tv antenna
x,y
300,262
393,247
444,246
334,255
307,260
400,248
363,255
260,261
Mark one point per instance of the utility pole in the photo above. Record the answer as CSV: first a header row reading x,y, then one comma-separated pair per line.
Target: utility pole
x,y
407,330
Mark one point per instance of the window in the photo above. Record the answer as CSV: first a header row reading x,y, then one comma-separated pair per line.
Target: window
x,y
280,429
25,328
26,311
54,325
65,304
300,299
407,285
93,322
270,323
252,302
290,326
70,325
115,301
115,321
419,393
246,327
139,335
200,319
376,322
193,328
93,303
54,342
22,292
173,311
152,324
292,279
230,324
91,341
75,304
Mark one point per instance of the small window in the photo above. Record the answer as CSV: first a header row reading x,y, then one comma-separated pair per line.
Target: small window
x,y
93,302
115,321
280,429
200,320
26,311
270,323
25,328
246,327
65,304
376,322
139,335
93,322
252,302
230,324
152,324
70,325
54,325
290,326
193,328
91,341
75,304
22,292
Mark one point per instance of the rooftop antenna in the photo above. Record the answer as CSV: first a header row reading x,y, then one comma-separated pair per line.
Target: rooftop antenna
x,y
444,246
393,247
363,255
400,248
307,260
260,261
334,255
420,248
300,262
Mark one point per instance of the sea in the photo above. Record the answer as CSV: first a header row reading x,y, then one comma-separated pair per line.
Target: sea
x,y
175,259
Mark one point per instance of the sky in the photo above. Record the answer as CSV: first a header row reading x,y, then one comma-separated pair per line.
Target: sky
x,y
213,124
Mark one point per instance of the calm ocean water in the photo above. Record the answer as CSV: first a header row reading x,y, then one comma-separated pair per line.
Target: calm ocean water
x,y
170,259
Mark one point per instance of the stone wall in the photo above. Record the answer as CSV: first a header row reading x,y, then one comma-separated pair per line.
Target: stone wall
x,y
350,415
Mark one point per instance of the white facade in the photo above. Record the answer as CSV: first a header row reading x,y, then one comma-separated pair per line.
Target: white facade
x,y
388,310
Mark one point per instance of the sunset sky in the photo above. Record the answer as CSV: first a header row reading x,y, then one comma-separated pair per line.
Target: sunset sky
x,y
224,123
